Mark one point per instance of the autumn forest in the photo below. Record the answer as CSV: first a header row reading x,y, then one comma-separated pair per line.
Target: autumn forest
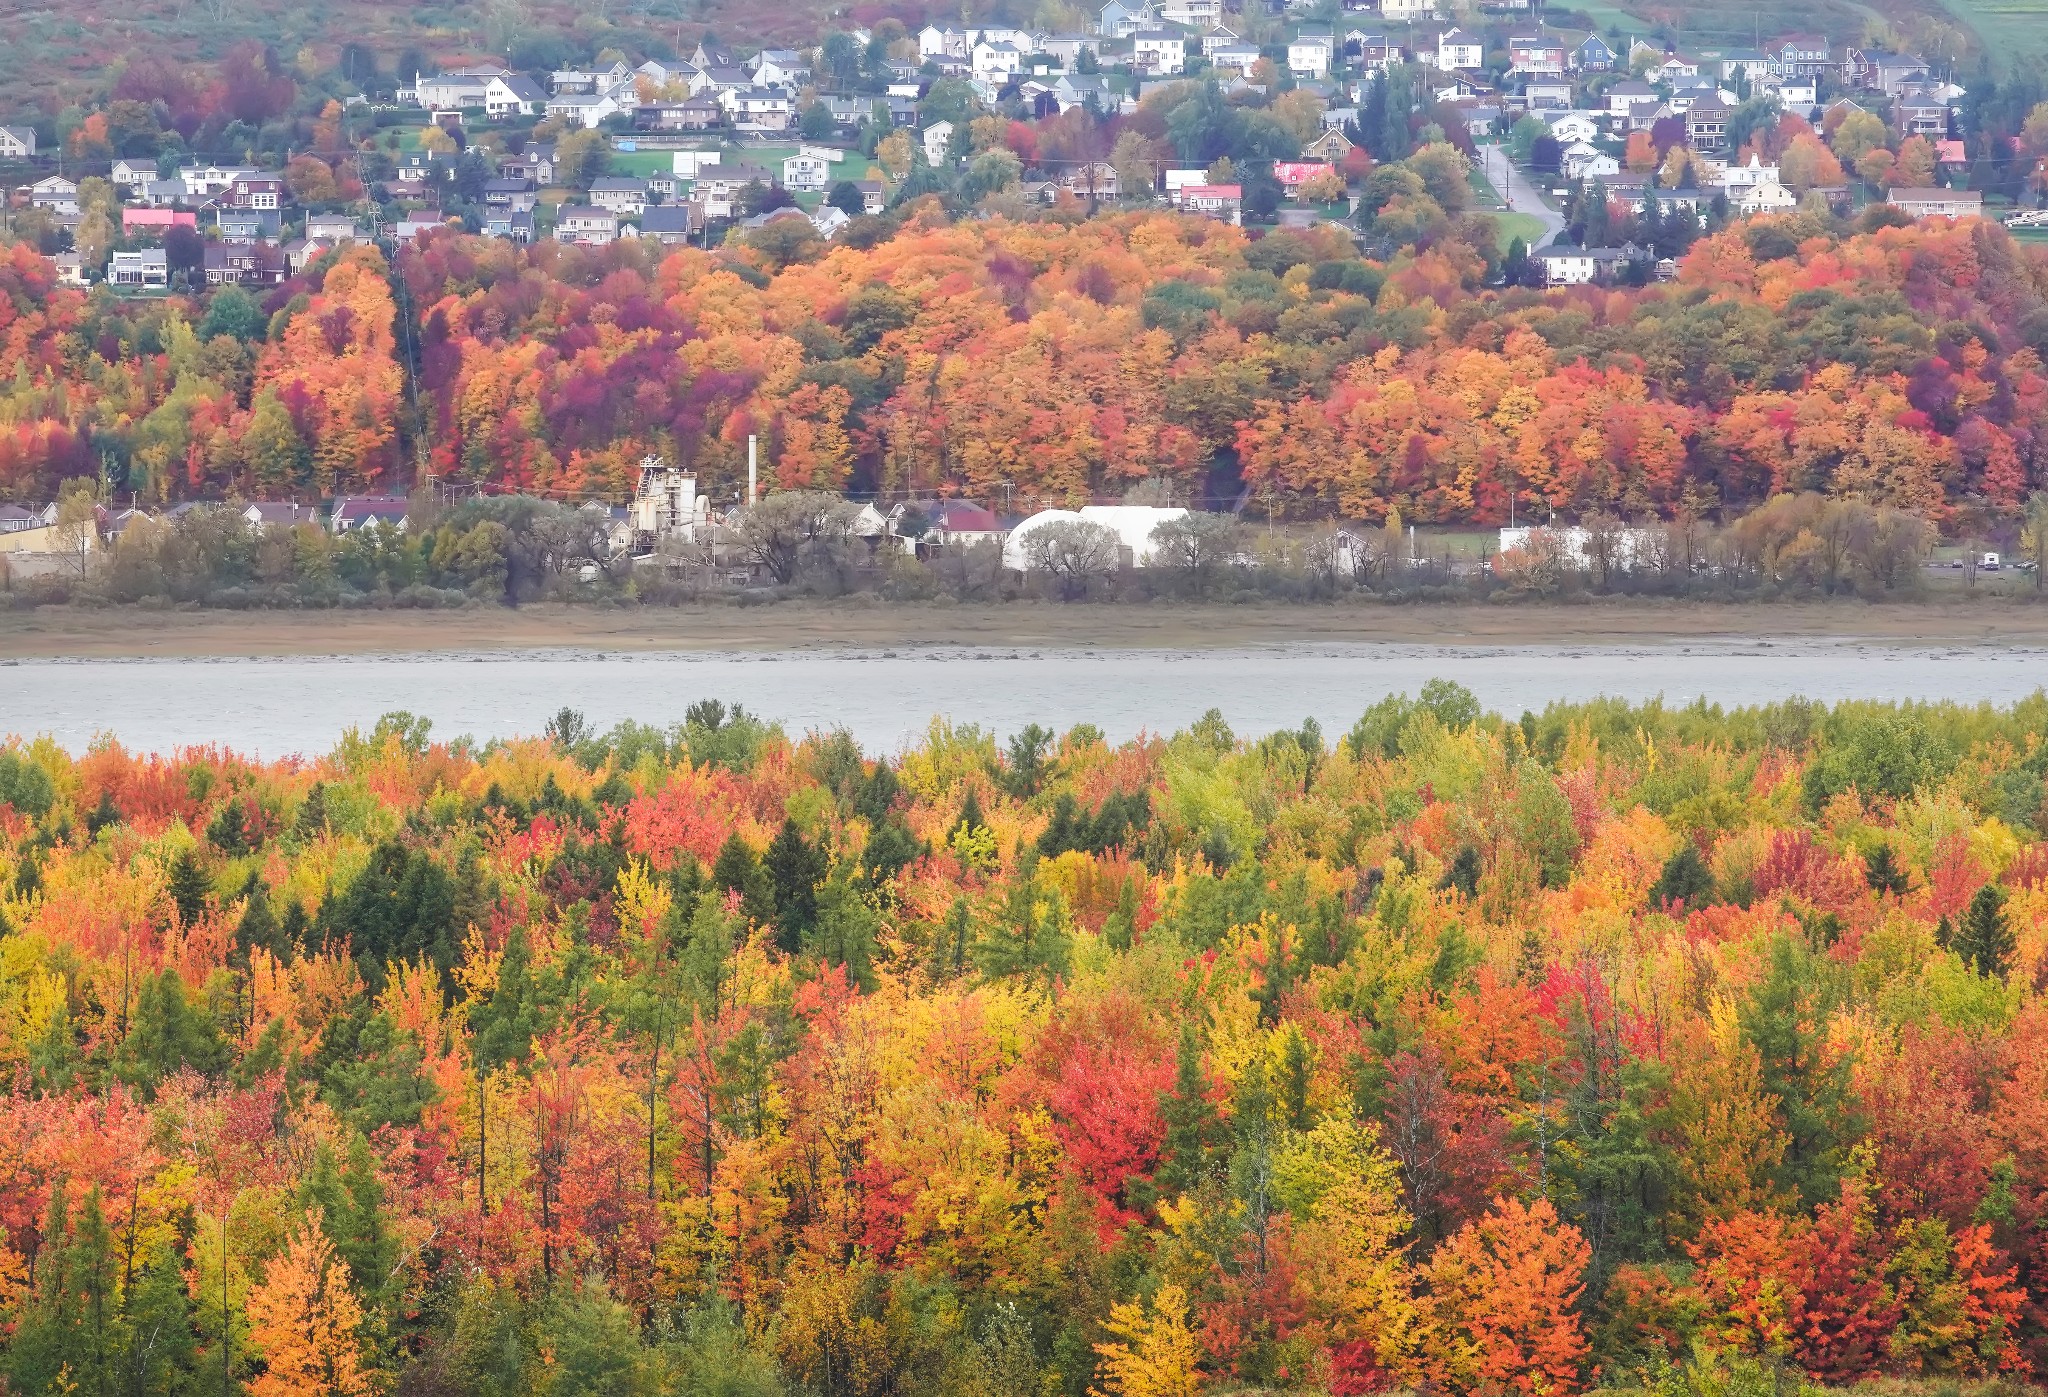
x,y
1622,1047
1066,359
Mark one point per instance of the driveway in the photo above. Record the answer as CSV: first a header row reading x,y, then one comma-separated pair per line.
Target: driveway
x,y
1520,193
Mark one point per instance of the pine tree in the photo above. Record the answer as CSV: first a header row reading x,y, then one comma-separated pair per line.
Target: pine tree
x,y
1685,883
161,1352
794,869
1883,874
737,869
1985,940
1191,1120
258,926
189,888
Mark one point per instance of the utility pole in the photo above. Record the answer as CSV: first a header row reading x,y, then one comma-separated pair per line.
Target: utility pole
x,y
753,471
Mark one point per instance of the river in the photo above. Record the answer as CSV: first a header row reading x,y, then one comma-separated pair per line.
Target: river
x,y
885,698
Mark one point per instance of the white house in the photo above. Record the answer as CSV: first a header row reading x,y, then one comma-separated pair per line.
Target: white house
x,y
1308,55
806,173
1584,160
1407,11
513,94
584,109
938,140
132,174
1770,197
997,58
1736,177
17,142
1573,128
56,193
1160,51
1456,50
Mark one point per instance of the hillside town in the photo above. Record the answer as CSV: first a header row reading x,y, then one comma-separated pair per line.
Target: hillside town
x,y
1565,128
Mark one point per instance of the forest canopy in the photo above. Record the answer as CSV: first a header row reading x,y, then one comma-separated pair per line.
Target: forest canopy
x,y
1622,1045
1071,360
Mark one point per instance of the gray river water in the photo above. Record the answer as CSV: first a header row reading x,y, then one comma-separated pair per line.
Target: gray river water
x,y
885,698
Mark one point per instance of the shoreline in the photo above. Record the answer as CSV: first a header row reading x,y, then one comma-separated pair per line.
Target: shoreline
x,y
125,633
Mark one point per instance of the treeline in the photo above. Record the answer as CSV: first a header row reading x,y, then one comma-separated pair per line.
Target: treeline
x,y
1068,359
1682,1050
804,544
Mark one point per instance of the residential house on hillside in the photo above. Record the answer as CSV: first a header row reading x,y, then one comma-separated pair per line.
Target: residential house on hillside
x,y
19,143
1536,53
1879,70
1767,196
1119,19
1800,55
1938,203
1457,49
719,188
132,174
668,224
583,109
146,222
1706,123
1737,65
1162,52
1623,96
1593,54
938,142
1584,160
148,269
513,95
57,193
1564,264
1572,128
1745,176
1408,11
1224,201
805,173
509,225
511,195
1309,54
586,223
621,194
1920,116
760,109
1547,94
352,512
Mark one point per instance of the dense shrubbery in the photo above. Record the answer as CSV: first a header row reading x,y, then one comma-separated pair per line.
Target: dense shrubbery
x,y
1664,1047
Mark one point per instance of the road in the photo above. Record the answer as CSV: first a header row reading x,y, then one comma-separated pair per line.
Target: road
x,y
1514,186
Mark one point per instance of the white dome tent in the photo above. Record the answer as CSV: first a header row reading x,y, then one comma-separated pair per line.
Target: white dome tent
x,y
1131,523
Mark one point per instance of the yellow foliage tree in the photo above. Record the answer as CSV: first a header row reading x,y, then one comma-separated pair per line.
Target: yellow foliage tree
x,y
1155,1350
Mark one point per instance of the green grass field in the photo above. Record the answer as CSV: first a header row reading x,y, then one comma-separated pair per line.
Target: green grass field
x,y
2013,31
1509,226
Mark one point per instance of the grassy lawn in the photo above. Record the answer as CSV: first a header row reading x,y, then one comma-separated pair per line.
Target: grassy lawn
x,y
2013,31
1509,226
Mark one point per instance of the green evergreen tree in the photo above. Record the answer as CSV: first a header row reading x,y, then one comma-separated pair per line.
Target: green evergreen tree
x,y
168,1033
794,868
258,926
738,869
1785,1019
160,1355
1882,873
189,888
1192,1124
1686,881
1985,940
